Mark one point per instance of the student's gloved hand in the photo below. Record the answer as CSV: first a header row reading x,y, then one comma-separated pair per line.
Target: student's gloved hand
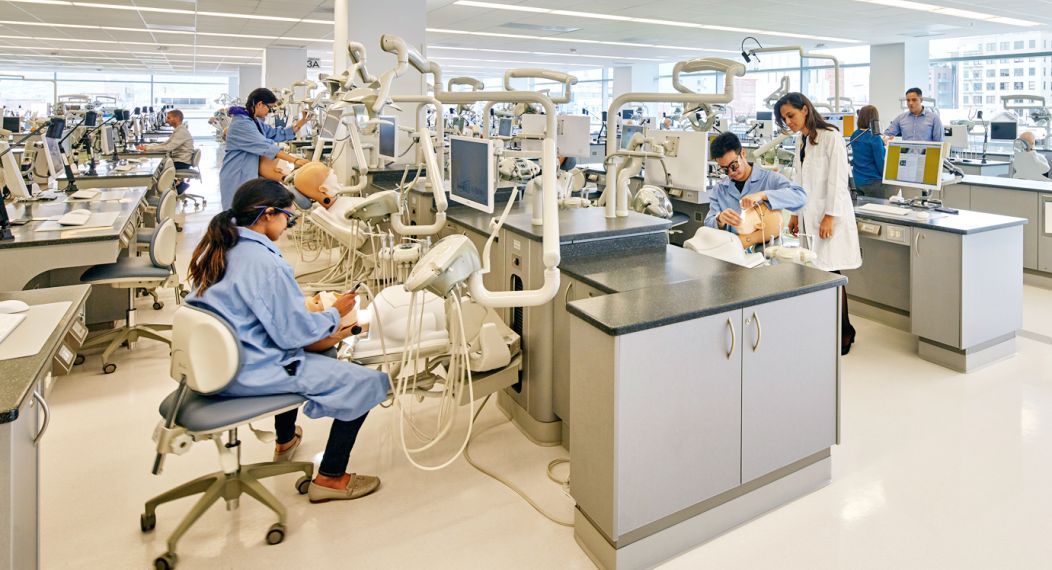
x,y
794,225
751,200
345,303
729,218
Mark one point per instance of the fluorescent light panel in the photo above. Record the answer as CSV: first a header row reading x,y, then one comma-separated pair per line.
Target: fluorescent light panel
x,y
956,12
137,53
552,63
575,41
671,23
105,6
618,57
159,31
122,42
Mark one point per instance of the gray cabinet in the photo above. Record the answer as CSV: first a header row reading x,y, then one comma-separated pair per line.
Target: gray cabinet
x,y
19,486
569,290
935,287
691,450
788,381
1044,262
1016,203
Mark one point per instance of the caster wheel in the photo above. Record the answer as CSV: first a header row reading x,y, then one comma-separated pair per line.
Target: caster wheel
x,y
303,485
109,368
183,293
179,229
276,534
78,360
158,305
147,522
165,561
204,202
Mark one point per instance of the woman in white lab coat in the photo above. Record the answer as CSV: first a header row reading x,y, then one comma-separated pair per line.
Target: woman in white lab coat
x,y
821,168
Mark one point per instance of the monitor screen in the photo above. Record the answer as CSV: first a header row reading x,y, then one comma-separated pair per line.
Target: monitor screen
x,y
471,172
54,157
504,127
13,124
764,116
914,164
1003,131
55,128
627,132
11,176
627,113
388,136
685,168
108,144
91,118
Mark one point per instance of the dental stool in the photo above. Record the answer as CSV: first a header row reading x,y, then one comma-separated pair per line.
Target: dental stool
x,y
134,273
206,357
192,173
165,210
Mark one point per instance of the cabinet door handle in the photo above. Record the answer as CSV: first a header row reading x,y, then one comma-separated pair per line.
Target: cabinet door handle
x,y
733,339
47,416
566,296
916,243
759,332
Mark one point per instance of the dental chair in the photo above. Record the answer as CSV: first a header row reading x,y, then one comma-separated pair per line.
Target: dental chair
x,y
206,357
133,273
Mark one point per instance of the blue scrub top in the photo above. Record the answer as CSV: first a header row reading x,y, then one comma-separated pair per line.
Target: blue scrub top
x,y
781,194
259,297
867,158
247,139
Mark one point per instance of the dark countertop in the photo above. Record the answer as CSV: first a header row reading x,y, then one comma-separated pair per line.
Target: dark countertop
x,y
733,288
965,222
979,162
575,224
627,271
26,236
18,375
1008,183
104,168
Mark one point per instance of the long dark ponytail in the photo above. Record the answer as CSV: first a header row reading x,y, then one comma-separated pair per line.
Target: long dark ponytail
x,y
814,121
208,264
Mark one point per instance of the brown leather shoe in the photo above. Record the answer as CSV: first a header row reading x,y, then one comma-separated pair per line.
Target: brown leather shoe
x,y
289,453
360,486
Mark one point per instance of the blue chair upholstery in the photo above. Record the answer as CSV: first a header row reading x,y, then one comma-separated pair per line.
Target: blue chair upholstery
x,y
201,413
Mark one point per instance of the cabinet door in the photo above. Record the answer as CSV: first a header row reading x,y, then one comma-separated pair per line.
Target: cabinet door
x,y
561,356
1017,203
19,488
935,289
789,380
679,399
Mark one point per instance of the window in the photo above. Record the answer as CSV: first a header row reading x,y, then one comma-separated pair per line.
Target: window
x,y
1018,45
1018,72
977,87
1032,85
993,46
1033,71
1003,72
1004,45
991,72
1033,44
990,99
1018,86
1004,86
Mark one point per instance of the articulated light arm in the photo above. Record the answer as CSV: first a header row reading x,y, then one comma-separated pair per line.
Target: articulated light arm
x,y
549,205
806,54
617,201
434,179
559,77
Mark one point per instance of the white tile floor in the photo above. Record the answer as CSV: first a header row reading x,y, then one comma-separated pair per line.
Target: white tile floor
x,y
936,470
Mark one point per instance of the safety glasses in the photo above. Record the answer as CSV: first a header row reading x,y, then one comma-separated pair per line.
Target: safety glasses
x,y
732,167
263,209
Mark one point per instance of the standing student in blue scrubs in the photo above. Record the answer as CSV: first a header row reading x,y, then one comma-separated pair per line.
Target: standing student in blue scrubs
x,y
248,138
867,156
238,273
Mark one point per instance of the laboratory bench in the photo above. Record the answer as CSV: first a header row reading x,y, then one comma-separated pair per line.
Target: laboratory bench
x,y
976,167
108,175
24,416
953,280
39,258
701,394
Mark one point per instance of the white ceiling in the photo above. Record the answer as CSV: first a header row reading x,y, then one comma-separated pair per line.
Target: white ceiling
x,y
52,34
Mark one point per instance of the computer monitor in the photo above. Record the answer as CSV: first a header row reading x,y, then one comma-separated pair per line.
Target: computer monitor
x,y
686,167
627,113
331,124
388,137
843,121
956,136
1003,131
914,164
109,145
11,175
13,124
764,116
573,134
627,131
472,172
91,118
55,128
504,127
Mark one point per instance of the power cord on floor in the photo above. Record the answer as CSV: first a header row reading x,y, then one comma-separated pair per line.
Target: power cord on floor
x,y
508,484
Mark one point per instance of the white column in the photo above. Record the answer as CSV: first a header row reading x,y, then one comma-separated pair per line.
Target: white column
x,y
248,78
341,10
283,66
894,68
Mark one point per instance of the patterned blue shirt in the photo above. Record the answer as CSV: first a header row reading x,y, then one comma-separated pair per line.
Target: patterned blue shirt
x,y
924,127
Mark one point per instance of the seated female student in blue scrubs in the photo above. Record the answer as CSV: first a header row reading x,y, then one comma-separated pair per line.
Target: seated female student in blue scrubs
x,y
248,139
238,273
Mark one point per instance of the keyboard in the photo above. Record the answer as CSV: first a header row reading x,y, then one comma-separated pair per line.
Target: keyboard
x,y
85,194
9,323
884,209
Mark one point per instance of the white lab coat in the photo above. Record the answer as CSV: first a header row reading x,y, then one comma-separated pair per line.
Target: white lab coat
x,y
823,174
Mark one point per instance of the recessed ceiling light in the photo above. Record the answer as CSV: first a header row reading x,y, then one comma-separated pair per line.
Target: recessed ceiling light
x,y
672,23
619,57
575,41
122,42
135,8
550,63
164,31
956,12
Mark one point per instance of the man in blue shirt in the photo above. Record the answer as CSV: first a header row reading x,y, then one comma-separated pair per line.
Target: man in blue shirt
x,y
745,186
916,124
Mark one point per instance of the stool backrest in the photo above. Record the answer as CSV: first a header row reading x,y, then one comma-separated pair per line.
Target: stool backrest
x,y
166,180
166,207
205,350
163,243
195,158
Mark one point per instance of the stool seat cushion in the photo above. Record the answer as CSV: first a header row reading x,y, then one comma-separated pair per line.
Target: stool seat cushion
x,y
206,413
126,269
